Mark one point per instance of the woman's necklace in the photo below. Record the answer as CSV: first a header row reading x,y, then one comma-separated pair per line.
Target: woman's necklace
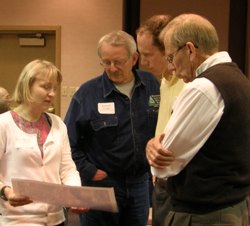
x,y
28,115
41,127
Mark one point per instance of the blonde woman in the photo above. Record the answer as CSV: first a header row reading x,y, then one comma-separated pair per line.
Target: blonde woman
x,y
34,145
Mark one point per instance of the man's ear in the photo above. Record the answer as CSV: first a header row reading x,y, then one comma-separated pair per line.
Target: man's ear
x,y
135,58
192,50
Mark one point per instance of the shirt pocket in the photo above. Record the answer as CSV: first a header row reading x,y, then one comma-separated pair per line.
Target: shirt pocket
x,y
105,130
26,149
26,143
100,124
26,153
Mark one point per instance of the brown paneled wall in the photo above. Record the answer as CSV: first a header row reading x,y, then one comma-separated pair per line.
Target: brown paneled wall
x,y
218,15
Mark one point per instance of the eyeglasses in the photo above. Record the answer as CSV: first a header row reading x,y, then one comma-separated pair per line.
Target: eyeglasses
x,y
170,57
117,63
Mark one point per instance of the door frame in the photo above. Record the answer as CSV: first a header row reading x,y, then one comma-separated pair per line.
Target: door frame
x,y
41,29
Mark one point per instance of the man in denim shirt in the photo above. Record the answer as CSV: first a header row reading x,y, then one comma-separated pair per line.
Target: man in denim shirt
x,y
110,120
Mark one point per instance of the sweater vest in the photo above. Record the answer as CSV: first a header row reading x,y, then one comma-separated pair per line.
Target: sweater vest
x,y
219,174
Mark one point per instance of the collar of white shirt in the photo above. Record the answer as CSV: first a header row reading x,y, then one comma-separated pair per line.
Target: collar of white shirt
x,y
217,58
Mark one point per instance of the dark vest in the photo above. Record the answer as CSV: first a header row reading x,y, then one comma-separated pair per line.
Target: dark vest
x,y
219,174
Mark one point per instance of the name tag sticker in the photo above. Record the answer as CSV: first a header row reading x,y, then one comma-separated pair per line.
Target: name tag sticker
x,y
106,108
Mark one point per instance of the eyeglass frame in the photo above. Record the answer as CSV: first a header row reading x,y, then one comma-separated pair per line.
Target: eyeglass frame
x,y
116,63
170,57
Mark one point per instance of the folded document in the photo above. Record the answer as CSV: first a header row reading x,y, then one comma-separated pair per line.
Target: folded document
x,y
96,198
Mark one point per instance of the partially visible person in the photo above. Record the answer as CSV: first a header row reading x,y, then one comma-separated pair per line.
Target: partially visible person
x,y
34,145
4,100
4,95
152,56
4,106
109,120
151,47
205,153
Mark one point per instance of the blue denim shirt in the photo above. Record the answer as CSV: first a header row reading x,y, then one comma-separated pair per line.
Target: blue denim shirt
x,y
112,139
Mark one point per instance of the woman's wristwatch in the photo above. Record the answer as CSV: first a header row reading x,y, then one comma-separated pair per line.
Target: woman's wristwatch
x,y
2,194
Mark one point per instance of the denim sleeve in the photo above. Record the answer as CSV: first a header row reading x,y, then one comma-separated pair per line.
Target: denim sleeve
x,y
75,125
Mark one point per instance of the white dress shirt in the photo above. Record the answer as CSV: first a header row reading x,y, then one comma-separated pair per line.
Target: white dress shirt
x,y
196,113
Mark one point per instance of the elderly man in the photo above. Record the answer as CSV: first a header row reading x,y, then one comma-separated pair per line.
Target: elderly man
x,y
204,151
110,120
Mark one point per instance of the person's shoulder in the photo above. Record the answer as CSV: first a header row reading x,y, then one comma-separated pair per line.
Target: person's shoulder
x,y
87,89
92,81
91,84
55,120
144,73
4,106
5,117
146,76
201,85
53,116
200,82
6,114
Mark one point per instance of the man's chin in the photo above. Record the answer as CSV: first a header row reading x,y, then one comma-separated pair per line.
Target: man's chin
x,y
186,80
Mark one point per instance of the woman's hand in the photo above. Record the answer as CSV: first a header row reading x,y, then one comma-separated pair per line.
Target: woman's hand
x,y
16,200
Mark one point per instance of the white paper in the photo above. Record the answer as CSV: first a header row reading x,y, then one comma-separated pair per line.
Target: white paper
x,y
96,198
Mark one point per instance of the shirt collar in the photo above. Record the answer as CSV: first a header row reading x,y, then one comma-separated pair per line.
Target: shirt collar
x,y
171,82
108,86
217,58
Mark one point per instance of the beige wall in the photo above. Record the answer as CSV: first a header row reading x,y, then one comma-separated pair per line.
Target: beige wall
x,y
82,23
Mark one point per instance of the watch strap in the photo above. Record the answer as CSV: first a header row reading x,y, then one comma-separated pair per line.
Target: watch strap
x,y
2,194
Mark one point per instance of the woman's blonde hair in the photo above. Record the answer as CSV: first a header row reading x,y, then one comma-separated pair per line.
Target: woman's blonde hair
x,y
28,77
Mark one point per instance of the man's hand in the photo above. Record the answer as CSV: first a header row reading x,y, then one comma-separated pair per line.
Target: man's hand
x,y
78,210
100,175
157,156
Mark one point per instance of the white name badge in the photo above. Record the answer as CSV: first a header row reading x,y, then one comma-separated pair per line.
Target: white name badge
x,y
106,108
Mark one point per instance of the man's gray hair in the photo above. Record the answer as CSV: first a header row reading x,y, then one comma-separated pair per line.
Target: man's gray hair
x,y
118,38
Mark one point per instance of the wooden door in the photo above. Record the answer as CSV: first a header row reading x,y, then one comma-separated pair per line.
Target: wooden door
x,y
15,55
